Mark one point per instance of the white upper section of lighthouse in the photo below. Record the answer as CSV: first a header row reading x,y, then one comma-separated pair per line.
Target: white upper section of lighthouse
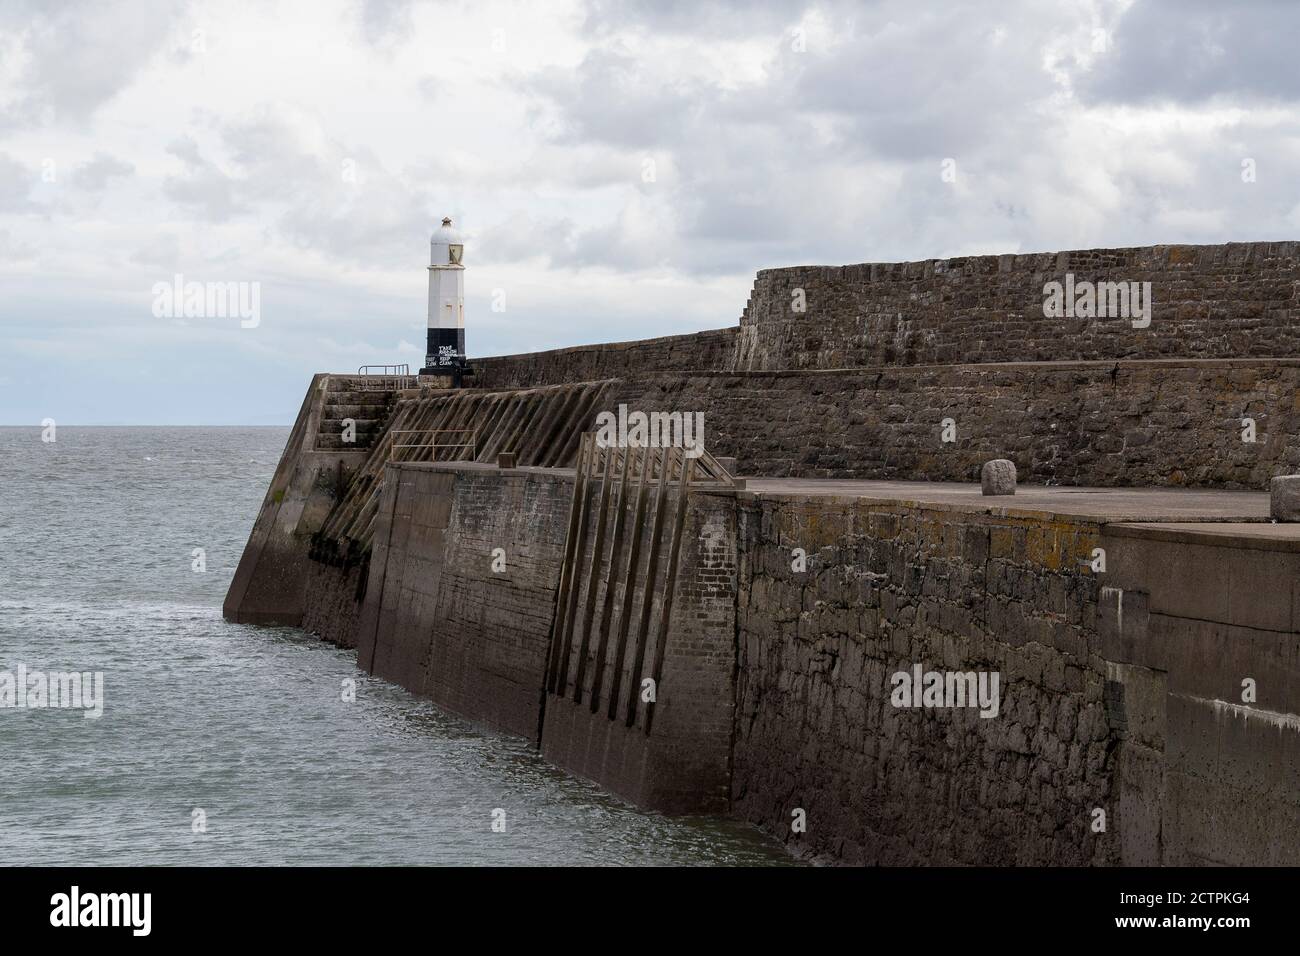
x,y
446,247
446,278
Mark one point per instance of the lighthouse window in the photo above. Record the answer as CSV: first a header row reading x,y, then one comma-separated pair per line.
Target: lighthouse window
x,y
454,253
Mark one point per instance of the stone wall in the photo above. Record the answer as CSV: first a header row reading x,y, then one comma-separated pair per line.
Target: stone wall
x,y
1129,423
713,349
333,602
437,618
887,587
1225,301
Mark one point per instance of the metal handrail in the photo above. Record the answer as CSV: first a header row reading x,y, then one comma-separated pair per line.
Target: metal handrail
x,y
384,383
435,444
403,369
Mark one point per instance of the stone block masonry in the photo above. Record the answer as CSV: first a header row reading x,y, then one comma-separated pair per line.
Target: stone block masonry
x,y
1176,423
1224,301
588,363
888,586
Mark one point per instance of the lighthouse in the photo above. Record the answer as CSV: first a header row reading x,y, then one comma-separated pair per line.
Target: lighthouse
x,y
445,352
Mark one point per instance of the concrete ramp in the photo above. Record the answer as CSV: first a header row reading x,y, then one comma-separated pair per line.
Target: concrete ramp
x,y
541,426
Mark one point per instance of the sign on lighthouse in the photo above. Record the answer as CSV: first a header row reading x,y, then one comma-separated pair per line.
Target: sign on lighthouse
x,y
445,352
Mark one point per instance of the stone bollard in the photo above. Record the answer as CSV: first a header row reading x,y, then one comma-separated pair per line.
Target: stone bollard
x,y
998,477
1284,498
506,459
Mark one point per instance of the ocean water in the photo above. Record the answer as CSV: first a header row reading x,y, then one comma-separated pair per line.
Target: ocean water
x,y
228,744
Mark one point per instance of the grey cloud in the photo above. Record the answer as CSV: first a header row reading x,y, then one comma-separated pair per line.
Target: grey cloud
x,y
384,21
916,87
12,251
609,98
79,55
1190,51
727,17
373,217
16,182
95,175
523,236
203,188
162,251
835,157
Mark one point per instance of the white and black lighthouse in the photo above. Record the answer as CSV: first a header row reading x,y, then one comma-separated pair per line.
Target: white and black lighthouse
x,y
445,352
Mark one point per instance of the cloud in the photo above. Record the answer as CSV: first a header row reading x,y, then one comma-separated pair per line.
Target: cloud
x,y
68,59
728,17
12,251
384,21
16,184
1194,51
621,167
204,188
95,175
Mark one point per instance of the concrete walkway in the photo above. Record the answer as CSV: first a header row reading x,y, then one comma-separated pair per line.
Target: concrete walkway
x,y
1102,504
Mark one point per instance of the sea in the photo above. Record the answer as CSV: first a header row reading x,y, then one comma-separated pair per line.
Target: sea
x,y
227,744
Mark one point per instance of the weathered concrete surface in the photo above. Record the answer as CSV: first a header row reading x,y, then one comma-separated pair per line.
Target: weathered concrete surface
x,y
332,602
1092,504
672,755
438,618
1204,623
460,604
269,585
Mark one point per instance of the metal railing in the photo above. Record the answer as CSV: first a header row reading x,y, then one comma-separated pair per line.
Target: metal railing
x,y
435,444
391,378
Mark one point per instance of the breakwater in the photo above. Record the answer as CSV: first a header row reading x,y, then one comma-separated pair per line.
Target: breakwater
x,y
696,642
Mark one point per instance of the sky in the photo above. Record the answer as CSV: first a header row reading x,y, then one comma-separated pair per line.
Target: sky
x,y
620,169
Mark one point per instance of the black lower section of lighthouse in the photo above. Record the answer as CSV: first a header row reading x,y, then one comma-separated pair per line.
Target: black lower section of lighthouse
x,y
445,354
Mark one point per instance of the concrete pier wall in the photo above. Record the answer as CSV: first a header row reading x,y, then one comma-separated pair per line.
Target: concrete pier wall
x,y
1148,709
437,618
270,583
1203,627
460,607
639,688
